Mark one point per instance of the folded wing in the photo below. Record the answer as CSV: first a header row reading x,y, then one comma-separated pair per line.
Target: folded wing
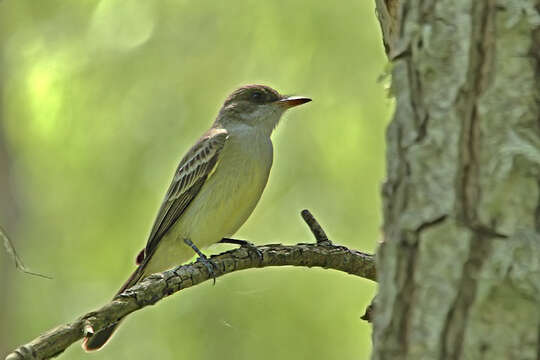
x,y
192,172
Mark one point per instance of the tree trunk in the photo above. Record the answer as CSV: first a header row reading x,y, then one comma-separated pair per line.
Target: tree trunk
x,y
459,270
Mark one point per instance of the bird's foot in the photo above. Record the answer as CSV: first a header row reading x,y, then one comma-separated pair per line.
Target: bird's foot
x,y
246,244
209,264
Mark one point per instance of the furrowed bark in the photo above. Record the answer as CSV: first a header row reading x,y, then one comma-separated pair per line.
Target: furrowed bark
x,y
459,271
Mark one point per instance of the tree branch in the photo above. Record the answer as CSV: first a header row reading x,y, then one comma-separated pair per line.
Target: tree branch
x,y
158,286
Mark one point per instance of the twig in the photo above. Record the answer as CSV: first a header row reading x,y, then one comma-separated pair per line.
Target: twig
x,y
19,265
315,227
161,285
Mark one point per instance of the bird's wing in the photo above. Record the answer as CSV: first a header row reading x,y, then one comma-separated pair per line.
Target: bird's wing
x,y
192,172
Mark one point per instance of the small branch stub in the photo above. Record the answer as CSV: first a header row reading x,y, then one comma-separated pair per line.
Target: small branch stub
x,y
315,227
369,313
88,330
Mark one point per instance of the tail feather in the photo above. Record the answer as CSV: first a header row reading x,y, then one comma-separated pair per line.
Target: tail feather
x,y
96,341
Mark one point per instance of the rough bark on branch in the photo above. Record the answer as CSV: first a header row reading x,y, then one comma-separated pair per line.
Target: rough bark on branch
x,y
158,286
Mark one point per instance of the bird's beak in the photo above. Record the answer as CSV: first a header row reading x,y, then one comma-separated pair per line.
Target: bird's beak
x,y
292,101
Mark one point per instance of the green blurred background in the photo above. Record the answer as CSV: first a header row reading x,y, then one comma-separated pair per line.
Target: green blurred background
x,y
99,101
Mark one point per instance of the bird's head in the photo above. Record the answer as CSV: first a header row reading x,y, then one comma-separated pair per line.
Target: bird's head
x,y
256,106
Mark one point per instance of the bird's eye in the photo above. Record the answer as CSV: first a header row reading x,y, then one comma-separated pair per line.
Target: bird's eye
x,y
257,96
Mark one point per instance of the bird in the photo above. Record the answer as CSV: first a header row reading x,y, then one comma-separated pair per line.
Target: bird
x,y
215,187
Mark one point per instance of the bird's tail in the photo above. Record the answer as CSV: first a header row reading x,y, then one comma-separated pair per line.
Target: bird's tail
x,y
96,341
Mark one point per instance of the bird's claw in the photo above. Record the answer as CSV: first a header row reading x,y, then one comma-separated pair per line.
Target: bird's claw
x,y
210,266
245,244
252,247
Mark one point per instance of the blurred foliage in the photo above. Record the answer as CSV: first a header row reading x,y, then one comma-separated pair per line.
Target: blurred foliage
x,y
99,101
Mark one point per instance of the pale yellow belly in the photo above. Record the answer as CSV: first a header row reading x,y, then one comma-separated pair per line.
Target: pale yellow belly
x,y
223,204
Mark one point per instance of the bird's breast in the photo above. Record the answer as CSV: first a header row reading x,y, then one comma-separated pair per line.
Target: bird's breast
x,y
231,193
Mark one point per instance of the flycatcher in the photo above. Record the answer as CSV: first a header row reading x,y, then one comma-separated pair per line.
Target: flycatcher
x,y
215,187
